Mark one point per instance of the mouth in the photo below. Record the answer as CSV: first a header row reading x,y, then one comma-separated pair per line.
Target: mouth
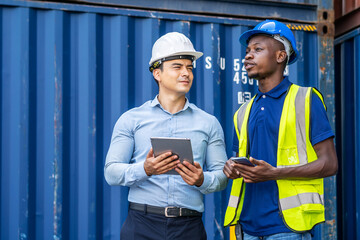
x,y
184,81
248,65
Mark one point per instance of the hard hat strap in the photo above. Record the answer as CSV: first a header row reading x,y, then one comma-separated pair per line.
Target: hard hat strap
x,y
157,63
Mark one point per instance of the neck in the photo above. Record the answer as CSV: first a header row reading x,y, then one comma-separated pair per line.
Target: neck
x,y
268,83
171,103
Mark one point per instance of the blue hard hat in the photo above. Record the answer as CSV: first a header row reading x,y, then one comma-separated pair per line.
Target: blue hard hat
x,y
272,27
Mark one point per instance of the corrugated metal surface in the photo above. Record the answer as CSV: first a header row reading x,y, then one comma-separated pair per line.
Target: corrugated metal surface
x,y
67,74
347,16
344,7
294,10
347,62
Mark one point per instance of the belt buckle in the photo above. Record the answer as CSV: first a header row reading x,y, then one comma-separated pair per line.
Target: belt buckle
x,y
172,215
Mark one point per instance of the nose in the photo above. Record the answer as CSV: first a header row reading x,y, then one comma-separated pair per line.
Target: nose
x,y
248,55
185,71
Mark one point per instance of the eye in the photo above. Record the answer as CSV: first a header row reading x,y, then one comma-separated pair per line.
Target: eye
x,y
258,49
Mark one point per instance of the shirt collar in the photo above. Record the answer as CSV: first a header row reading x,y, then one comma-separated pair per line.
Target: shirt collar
x,y
277,91
155,102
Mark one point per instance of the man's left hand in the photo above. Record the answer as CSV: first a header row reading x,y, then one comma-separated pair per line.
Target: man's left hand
x,y
191,174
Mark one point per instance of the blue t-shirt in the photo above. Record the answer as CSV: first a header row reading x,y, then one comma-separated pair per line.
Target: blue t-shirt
x,y
261,215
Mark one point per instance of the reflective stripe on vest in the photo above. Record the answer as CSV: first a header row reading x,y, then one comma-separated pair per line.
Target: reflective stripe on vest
x,y
301,201
302,198
233,201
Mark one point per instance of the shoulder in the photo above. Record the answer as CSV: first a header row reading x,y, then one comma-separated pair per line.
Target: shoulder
x,y
317,99
315,95
136,110
205,121
199,113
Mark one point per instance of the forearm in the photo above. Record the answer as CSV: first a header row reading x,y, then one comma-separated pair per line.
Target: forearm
x,y
216,158
118,170
124,174
316,169
326,165
213,182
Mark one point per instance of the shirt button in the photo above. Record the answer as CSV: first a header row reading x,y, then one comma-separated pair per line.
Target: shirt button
x,y
264,96
262,108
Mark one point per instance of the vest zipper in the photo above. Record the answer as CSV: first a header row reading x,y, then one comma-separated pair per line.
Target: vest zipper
x,y
237,206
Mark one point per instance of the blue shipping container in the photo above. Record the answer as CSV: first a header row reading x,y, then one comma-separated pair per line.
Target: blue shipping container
x,y
347,78
69,71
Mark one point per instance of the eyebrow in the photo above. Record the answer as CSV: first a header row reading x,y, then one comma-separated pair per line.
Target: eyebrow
x,y
180,64
256,43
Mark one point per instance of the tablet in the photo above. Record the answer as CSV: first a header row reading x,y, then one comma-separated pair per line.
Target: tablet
x,y
178,146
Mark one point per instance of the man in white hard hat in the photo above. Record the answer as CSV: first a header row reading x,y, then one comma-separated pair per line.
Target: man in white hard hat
x,y
167,206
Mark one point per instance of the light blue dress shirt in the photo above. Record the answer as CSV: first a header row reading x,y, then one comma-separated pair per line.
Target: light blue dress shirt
x,y
130,144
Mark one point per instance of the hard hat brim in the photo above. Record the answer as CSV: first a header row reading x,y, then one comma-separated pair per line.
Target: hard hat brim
x,y
197,55
244,38
246,35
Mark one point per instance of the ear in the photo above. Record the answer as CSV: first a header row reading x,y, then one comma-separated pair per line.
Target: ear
x,y
156,74
281,56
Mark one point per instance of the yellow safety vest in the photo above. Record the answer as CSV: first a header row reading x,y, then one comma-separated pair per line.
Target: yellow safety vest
x,y
301,202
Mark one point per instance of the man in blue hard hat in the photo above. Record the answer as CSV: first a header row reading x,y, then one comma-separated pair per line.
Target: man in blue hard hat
x,y
285,133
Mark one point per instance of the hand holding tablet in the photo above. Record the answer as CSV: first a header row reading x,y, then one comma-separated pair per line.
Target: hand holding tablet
x,y
178,146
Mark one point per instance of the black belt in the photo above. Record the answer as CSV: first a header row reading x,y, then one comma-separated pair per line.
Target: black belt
x,y
165,211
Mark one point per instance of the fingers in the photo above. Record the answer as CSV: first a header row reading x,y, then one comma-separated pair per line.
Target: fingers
x,y
191,167
150,153
188,168
262,171
191,174
163,156
230,170
254,161
160,164
165,159
163,168
246,180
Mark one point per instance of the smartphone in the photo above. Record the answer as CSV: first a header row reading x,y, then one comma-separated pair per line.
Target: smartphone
x,y
242,160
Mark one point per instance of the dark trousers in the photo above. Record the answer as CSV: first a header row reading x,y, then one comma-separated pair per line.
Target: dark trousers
x,y
140,226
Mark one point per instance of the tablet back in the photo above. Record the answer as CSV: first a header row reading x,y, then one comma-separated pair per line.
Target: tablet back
x,y
178,146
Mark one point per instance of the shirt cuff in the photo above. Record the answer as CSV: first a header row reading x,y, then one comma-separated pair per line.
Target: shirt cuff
x,y
139,171
206,183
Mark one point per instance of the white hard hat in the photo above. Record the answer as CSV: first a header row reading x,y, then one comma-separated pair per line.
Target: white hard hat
x,y
171,46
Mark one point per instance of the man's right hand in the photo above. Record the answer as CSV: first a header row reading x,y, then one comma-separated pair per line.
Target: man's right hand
x,y
160,164
230,170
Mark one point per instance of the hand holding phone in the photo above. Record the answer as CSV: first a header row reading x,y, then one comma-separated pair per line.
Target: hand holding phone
x,y
242,160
